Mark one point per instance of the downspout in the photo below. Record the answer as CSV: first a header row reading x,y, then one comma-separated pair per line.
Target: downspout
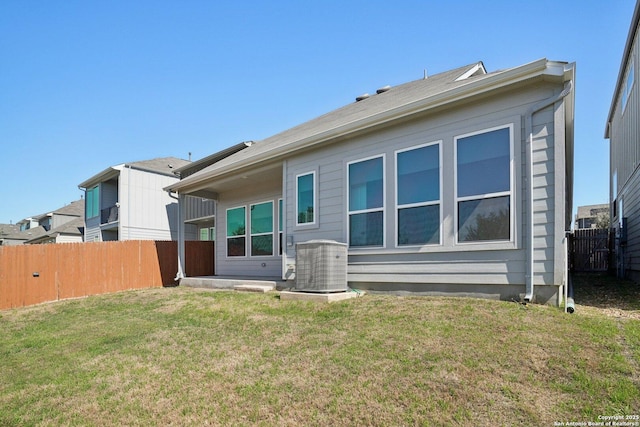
x,y
128,203
569,305
180,272
528,123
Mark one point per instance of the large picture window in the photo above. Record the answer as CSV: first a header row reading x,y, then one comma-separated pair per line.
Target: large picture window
x,y
262,229
484,185
236,232
418,195
92,202
366,202
305,197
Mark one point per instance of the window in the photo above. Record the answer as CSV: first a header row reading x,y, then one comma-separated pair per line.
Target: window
x,y
92,202
262,229
207,233
366,202
236,232
418,195
483,185
628,85
305,196
204,234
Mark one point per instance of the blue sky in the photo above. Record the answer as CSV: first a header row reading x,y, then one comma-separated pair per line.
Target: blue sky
x,y
86,84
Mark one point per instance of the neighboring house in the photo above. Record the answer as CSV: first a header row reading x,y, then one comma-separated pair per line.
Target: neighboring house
x,y
592,216
63,225
69,232
127,201
433,184
9,235
623,132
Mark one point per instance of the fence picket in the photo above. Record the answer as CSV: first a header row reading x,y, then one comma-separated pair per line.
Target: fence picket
x,y
32,274
590,250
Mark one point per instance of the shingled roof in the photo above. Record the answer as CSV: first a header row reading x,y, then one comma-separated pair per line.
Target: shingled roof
x,y
160,165
73,228
386,105
75,208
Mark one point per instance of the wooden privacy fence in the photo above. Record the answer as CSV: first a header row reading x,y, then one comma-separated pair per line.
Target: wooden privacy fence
x,y
31,274
590,250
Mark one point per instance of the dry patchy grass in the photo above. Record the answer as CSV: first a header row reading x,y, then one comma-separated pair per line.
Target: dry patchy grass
x,y
194,357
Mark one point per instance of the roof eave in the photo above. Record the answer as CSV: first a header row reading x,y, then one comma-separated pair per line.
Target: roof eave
x,y
213,158
105,175
475,87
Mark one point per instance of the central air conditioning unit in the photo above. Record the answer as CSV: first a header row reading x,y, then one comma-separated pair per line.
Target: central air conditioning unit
x,y
321,266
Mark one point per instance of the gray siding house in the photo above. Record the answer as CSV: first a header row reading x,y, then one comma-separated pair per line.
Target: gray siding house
x,y
623,132
197,211
459,183
63,225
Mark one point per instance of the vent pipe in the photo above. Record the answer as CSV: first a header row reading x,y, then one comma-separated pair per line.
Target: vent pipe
x,y
361,97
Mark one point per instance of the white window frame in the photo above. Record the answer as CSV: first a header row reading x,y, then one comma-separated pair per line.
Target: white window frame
x,y
420,204
280,243
315,200
246,252
380,209
510,193
251,235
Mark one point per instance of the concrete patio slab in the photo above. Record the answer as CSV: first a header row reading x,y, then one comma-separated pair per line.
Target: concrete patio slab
x,y
230,283
319,297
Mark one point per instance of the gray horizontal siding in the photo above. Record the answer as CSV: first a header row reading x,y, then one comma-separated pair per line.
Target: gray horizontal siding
x,y
92,229
624,154
145,233
625,128
450,263
631,206
262,266
197,207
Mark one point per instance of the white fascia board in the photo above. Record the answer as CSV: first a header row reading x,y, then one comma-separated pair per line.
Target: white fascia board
x,y
105,175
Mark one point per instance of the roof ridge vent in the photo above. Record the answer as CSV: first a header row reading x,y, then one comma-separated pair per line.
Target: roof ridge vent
x,y
362,97
383,89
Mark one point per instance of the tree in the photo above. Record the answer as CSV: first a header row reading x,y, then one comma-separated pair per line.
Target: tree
x,y
490,227
603,221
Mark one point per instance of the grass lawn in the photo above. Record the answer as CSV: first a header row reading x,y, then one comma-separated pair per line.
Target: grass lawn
x,y
180,356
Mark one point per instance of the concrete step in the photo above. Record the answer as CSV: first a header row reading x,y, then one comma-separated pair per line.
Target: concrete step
x,y
255,287
241,284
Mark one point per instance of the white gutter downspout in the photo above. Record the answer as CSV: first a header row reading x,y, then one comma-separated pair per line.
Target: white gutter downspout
x,y
180,199
529,276
128,203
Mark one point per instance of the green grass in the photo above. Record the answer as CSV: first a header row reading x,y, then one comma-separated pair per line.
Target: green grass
x,y
193,357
